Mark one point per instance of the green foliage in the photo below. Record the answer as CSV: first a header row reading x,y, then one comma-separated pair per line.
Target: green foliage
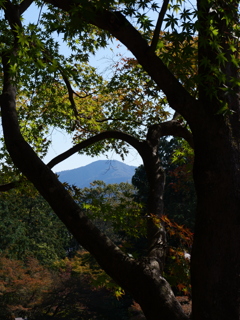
x,y
114,211
221,41
65,92
83,264
136,94
30,228
114,206
93,105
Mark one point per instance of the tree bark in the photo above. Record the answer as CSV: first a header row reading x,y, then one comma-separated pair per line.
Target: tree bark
x,y
215,255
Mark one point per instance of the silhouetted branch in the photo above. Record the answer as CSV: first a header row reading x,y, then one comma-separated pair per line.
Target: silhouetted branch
x,y
167,128
70,93
159,25
176,129
134,142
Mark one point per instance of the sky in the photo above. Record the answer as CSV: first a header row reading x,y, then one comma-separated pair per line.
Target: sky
x,y
60,140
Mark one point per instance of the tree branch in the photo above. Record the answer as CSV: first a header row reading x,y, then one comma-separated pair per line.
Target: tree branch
x,y
127,272
124,270
12,14
175,128
159,25
101,136
168,128
70,92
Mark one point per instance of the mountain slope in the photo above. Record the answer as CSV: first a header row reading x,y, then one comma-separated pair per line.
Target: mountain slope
x,y
109,171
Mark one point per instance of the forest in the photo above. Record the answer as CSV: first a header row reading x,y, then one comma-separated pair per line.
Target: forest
x,y
173,96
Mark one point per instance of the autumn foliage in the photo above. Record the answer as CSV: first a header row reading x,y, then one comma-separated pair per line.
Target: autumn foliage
x,y
23,286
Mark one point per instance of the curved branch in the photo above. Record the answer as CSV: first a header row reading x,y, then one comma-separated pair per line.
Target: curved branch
x,y
175,128
89,236
101,136
172,127
126,271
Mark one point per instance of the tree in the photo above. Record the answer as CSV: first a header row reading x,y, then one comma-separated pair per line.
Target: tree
x,y
194,66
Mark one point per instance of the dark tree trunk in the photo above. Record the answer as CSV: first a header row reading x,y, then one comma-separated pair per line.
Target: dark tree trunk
x,y
216,251
156,234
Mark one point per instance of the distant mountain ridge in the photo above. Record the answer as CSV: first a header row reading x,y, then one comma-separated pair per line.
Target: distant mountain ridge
x,y
109,171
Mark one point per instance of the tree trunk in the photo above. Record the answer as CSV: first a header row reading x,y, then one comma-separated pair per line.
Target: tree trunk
x,y
156,233
216,250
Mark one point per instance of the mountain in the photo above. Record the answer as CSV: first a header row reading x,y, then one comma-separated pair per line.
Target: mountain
x,y
109,171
